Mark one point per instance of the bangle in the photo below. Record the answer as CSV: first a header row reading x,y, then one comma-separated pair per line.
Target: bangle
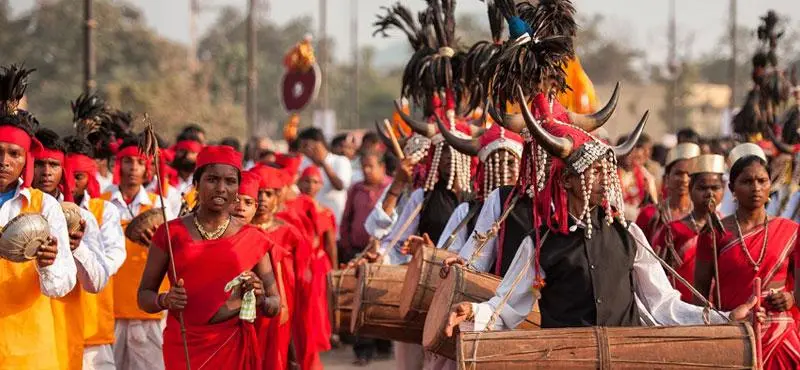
x,y
396,195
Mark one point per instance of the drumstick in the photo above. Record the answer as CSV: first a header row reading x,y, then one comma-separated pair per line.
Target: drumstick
x,y
395,145
756,323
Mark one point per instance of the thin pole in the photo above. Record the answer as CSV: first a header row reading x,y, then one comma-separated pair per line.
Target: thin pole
x,y
356,62
323,53
673,65
252,74
88,47
194,11
734,51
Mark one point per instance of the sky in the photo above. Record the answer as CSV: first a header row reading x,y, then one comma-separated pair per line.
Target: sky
x,y
642,23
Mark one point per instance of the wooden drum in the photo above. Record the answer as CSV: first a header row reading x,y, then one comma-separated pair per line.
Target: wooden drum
x,y
461,285
376,307
677,347
341,291
421,282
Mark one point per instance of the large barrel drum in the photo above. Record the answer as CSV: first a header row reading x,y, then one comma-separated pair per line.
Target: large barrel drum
x,y
677,347
461,285
376,307
341,291
421,282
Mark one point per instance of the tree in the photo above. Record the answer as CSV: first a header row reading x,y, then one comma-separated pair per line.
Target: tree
x,y
605,60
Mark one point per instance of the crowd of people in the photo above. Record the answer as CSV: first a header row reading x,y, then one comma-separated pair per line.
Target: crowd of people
x,y
210,255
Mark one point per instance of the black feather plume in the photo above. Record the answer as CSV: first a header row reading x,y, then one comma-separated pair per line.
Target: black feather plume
x,y
13,83
88,114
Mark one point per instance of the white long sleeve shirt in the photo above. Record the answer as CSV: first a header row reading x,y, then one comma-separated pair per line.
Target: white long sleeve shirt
x,y
173,196
404,226
57,279
128,211
658,302
112,251
461,236
491,212
378,223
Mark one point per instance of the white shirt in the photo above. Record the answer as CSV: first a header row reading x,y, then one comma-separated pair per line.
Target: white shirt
x,y
459,214
128,211
656,299
105,181
402,228
184,186
491,211
328,196
378,222
57,279
112,251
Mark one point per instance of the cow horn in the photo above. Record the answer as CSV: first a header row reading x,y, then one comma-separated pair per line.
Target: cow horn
x,y
591,122
422,128
630,142
558,146
467,146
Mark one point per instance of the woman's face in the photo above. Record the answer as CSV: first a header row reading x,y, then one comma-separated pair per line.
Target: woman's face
x,y
751,187
245,208
267,202
678,178
218,187
706,187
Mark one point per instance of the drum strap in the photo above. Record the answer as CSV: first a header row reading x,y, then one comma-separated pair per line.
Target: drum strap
x,y
483,238
408,221
603,350
452,238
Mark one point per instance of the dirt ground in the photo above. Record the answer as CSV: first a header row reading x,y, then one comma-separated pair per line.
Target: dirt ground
x,y
342,359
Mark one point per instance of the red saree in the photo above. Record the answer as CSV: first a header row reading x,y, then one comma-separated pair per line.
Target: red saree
x,y
779,336
274,334
229,344
644,221
684,241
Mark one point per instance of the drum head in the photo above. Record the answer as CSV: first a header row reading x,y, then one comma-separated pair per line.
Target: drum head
x,y
298,89
23,236
143,222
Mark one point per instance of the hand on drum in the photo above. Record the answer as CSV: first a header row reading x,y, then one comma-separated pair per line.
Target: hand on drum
x,y
742,312
46,255
176,298
780,301
76,237
459,313
450,261
414,242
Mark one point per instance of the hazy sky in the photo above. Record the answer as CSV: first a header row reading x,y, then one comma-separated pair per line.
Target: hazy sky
x,y
640,22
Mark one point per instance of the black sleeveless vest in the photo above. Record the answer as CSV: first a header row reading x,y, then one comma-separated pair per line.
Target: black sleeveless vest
x,y
436,211
588,282
517,226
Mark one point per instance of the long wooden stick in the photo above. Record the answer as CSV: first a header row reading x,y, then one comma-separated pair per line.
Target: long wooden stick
x,y
757,324
156,156
395,145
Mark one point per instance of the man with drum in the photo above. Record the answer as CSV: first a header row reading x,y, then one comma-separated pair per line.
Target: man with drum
x,y
138,338
28,338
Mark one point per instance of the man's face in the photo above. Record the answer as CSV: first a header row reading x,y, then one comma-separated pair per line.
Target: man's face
x,y
245,208
132,170
308,147
374,170
572,182
707,186
81,182
309,185
185,161
47,174
12,161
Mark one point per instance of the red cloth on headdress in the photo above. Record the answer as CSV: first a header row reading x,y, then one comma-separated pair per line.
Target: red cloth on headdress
x,y
271,177
78,163
14,135
313,172
188,145
289,162
67,182
130,151
249,184
219,154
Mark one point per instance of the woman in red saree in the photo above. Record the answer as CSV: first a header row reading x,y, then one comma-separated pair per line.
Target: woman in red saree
x,y
754,245
677,204
676,243
210,250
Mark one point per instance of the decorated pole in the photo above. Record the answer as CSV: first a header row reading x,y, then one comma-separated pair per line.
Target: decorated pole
x,y
88,47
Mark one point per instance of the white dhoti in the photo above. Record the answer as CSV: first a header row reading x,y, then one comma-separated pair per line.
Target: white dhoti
x,y
408,356
98,358
138,344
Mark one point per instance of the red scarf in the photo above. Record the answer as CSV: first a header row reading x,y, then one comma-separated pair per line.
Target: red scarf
x,y
67,182
131,151
79,163
14,135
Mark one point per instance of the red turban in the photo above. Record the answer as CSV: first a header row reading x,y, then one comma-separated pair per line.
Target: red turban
x,y
188,145
131,151
15,135
250,184
312,171
271,177
67,182
289,162
79,163
219,154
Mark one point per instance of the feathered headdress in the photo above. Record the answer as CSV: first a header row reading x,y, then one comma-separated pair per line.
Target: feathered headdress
x,y
13,83
88,114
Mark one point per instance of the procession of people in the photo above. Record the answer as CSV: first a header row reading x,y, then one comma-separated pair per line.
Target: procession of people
x,y
122,249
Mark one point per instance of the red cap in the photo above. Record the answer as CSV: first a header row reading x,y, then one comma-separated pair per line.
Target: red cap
x,y
312,171
219,154
271,177
289,162
250,184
